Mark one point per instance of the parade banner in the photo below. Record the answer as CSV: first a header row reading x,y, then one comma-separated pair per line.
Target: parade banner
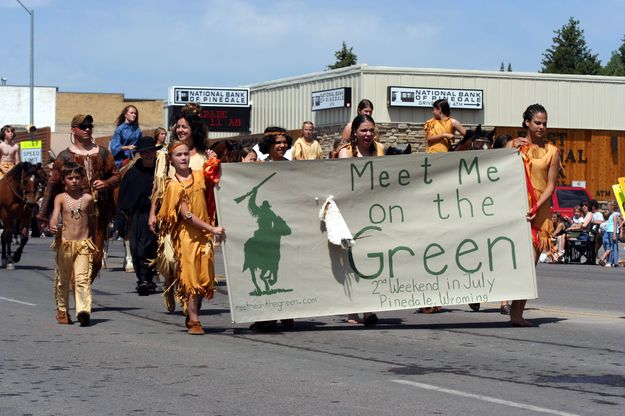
x,y
428,230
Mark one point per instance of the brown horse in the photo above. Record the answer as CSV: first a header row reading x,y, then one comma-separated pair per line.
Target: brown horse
x,y
20,189
227,150
477,139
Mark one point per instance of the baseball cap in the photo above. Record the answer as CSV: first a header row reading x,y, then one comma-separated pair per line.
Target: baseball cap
x,y
81,119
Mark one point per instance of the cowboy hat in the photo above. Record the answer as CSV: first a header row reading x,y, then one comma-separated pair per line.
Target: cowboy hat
x,y
145,144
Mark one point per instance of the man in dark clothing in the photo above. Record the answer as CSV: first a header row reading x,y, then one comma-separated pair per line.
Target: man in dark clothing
x,y
134,201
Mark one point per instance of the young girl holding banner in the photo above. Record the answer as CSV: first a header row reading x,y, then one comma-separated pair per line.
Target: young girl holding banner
x,y
542,164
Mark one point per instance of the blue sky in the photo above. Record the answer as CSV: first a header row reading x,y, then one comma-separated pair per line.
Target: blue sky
x,y
142,47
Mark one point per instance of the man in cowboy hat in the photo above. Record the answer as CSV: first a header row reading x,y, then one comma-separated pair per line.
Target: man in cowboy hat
x,y
100,179
134,202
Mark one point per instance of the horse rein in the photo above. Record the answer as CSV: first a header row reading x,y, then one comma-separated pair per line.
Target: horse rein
x,y
24,195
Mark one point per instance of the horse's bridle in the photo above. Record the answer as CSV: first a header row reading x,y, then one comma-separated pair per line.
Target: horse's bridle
x,y
25,194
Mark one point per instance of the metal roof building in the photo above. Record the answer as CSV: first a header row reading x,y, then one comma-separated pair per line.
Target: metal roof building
x,y
572,101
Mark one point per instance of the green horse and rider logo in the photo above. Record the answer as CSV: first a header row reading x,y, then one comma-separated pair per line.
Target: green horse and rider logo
x,y
262,250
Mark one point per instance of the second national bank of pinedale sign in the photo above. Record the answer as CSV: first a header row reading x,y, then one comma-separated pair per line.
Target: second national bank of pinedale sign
x,y
424,97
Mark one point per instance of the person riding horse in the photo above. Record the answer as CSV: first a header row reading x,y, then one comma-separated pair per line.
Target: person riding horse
x,y
101,177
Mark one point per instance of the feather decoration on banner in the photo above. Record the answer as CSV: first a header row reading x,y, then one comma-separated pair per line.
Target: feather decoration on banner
x,y
335,225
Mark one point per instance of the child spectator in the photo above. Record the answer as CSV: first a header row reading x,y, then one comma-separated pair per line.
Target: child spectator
x,y
306,147
74,245
610,237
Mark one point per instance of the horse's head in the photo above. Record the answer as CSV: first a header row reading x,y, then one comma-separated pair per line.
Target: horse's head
x,y
41,177
227,150
477,139
29,183
402,149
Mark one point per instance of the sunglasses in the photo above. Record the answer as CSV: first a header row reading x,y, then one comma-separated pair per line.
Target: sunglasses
x,y
85,126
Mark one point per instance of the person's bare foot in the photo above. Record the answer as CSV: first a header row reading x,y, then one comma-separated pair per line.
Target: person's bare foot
x,y
521,323
353,318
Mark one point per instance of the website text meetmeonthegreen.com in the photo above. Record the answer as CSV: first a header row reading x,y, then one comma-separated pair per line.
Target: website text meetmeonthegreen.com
x,y
275,304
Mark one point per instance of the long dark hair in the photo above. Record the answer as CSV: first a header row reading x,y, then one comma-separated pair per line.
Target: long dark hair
x,y
199,132
362,118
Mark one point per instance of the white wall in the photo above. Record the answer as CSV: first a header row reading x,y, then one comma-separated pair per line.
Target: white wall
x,y
15,106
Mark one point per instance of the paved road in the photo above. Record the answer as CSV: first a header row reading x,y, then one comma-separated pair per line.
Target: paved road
x,y
136,359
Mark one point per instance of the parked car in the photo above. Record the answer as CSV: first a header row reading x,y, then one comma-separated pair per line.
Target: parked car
x,y
566,198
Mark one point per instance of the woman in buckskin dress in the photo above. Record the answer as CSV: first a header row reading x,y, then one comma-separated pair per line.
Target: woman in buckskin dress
x,y
189,128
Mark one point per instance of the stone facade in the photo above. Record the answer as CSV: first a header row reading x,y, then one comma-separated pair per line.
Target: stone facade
x,y
391,134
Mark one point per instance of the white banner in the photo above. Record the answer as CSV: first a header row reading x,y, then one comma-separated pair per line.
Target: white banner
x,y
430,229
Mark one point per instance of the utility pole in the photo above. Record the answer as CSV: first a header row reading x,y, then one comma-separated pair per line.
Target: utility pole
x,y
31,12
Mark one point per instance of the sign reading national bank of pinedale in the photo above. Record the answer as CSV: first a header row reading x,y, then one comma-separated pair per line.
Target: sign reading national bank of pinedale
x,y
329,99
424,97
218,97
222,109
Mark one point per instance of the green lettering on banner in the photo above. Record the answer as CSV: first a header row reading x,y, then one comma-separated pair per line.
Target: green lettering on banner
x,y
489,204
459,200
492,169
490,251
425,167
392,253
368,165
426,257
403,175
409,235
380,256
383,215
468,169
384,179
373,221
395,207
460,252
438,201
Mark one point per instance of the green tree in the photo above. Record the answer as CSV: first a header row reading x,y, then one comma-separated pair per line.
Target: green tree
x,y
509,67
615,66
501,68
344,57
622,50
569,53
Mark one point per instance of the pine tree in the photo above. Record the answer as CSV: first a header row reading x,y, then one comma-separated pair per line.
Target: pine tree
x,y
344,57
569,53
622,50
509,67
501,67
615,66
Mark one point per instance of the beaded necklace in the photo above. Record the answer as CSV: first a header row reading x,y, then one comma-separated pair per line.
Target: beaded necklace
x,y
74,213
